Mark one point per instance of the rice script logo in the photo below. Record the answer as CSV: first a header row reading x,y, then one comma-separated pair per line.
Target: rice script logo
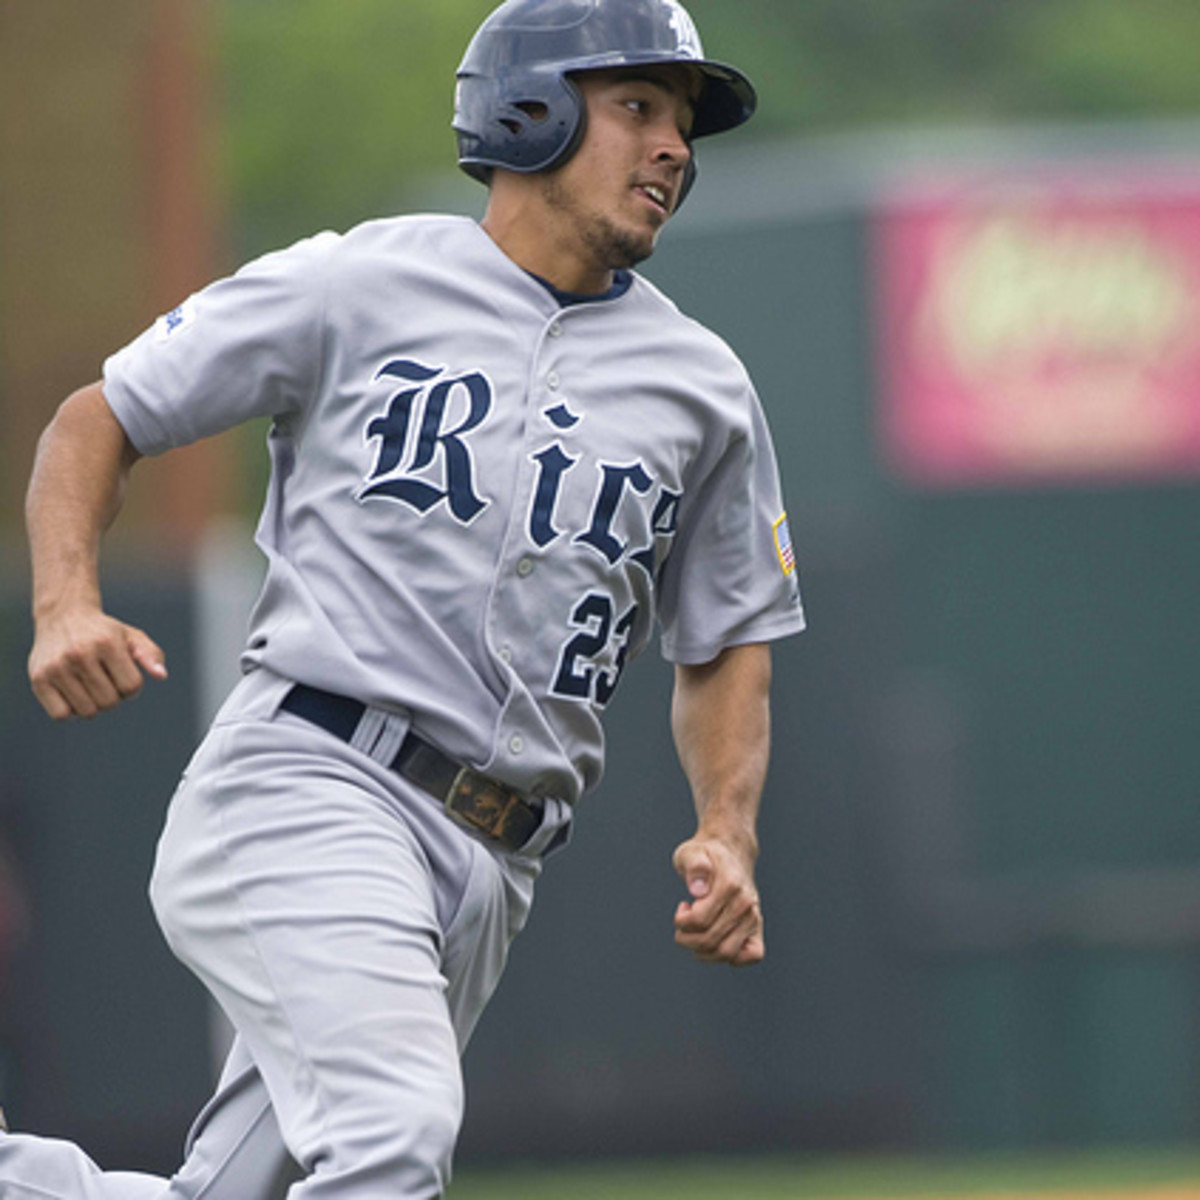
x,y
686,33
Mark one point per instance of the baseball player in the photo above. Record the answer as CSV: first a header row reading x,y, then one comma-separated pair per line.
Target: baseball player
x,y
500,460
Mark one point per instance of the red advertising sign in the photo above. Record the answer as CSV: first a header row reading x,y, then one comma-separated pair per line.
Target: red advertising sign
x,y
1040,330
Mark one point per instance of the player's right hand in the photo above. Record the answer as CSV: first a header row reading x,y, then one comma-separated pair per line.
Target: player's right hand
x,y
722,920
86,662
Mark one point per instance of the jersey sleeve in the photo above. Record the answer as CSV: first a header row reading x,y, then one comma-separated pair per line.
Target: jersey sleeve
x,y
246,346
731,577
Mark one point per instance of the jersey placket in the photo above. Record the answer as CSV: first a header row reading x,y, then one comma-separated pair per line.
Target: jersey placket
x,y
521,562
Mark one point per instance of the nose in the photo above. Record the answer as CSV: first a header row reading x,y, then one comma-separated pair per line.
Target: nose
x,y
673,147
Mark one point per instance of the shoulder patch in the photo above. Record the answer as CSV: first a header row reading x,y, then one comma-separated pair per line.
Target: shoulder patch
x,y
783,546
177,320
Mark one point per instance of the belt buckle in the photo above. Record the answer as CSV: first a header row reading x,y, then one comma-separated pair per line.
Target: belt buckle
x,y
482,802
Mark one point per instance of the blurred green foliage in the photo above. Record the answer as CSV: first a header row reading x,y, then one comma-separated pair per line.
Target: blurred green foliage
x,y
335,111
830,64
330,109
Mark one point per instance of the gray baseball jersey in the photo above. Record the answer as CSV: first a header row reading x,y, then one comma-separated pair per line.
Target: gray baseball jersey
x,y
481,501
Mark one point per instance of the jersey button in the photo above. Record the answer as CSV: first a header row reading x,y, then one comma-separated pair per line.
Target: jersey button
x,y
556,330
525,568
506,654
553,381
516,743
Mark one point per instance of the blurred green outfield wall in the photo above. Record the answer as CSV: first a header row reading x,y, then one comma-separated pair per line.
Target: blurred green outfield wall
x,y
103,1036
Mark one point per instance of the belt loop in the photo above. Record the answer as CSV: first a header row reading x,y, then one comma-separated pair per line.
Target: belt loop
x,y
379,735
391,738
366,732
553,833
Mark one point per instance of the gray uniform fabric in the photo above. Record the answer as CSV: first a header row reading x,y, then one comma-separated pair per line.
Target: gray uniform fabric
x,y
471,483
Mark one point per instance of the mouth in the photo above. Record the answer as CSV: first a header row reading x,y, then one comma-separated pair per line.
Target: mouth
x,y
658,195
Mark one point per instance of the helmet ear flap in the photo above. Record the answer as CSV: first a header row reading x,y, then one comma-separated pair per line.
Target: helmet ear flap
x,y
522,121
579,130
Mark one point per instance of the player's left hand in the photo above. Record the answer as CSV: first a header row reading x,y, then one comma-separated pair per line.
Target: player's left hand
x,y
722,921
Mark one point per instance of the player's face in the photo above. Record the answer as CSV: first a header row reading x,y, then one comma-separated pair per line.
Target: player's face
x,y
622,185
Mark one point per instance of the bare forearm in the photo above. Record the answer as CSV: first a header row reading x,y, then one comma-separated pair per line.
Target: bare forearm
x,y
721,720
722,726
82,661
75,492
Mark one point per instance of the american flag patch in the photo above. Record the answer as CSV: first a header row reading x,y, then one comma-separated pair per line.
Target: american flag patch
x,y
783,546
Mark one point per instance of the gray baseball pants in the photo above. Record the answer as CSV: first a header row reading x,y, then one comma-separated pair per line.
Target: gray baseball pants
x,y
352,933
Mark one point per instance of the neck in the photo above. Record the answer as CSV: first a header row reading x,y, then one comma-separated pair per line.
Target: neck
x,y
530,237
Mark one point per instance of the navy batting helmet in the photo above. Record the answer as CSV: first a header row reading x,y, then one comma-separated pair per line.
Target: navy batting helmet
x,y
516,106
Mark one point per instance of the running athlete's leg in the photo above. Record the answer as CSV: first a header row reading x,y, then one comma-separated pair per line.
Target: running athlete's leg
x,y
234,1152
37,1168
291,883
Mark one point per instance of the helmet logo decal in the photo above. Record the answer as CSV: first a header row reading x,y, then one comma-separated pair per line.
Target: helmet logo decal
x,y
685,31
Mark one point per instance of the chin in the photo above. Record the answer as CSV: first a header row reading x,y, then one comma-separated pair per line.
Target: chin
x,y
627,251
620,248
